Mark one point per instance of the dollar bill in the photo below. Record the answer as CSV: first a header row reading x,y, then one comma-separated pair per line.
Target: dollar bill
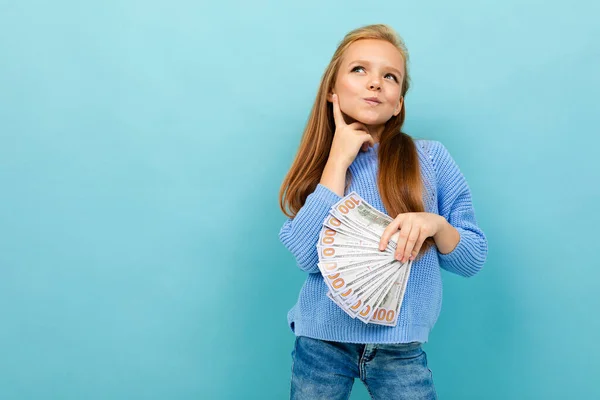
x,y
355,208
363,281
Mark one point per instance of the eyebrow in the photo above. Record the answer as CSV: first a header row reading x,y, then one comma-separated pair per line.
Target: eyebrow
x,y
368,63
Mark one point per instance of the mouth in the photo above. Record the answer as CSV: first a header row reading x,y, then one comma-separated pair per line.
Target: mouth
x,y
372,100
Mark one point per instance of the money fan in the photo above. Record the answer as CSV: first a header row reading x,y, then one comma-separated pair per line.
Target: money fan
x,y
365,282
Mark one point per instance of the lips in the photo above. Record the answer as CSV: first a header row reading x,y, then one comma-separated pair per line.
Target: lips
x,y
372,100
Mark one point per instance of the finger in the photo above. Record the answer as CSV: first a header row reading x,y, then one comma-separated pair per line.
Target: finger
x,y
358,126
369,142
413,237
402,240
387,233
337,112
418,246
394,239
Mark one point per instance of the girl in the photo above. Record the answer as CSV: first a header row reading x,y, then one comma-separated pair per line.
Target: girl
x,y
353,142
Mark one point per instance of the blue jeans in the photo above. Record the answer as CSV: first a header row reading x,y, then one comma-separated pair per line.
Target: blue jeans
x,y
326,370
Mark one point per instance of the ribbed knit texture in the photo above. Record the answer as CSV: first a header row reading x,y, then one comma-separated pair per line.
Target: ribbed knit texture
x,y
447,194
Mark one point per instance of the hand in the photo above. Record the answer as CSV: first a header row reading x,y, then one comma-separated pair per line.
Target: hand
x,y
347,139
414,227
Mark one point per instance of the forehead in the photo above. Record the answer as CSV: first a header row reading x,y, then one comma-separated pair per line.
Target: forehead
x,y
376,51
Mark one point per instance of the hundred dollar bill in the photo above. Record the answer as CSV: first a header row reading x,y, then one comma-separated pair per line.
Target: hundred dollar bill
x,y
370,282
401,279
387,312
330,252
373,300
330,237
360,233
331,266
335,224
355,226
369,218
342,282
362,308
348,228
356,279
358,303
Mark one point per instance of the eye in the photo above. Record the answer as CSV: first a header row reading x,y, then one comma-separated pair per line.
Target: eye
x,y
360,67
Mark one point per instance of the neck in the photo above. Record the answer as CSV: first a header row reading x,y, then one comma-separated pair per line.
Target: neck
x,y
375,131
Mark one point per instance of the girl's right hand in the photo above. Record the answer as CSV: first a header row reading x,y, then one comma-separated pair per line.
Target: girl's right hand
x,y
347,139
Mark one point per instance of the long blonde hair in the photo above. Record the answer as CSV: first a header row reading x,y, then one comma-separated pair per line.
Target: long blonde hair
x,y
399,176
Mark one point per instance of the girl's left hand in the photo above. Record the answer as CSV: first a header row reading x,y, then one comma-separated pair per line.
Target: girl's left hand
x,y
414,227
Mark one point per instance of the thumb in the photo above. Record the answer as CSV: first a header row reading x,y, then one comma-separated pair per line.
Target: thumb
x,y
368,143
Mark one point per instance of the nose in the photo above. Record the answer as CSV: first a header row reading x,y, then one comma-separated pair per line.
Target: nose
x,y
374,84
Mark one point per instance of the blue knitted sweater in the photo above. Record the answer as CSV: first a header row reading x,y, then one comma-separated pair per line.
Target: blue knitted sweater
x,y
447,194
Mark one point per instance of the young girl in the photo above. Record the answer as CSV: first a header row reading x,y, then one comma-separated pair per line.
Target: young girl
x,y
353,142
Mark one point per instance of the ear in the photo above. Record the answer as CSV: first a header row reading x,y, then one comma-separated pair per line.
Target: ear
x,y
399,107
329,96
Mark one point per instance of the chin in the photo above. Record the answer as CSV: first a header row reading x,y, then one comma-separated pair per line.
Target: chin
x,y
370,119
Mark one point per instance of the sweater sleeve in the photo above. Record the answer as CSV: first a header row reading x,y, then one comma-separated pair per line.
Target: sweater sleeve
x,y
301,234
455,205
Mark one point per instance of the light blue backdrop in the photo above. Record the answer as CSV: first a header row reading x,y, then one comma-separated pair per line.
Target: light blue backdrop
x,y
142,147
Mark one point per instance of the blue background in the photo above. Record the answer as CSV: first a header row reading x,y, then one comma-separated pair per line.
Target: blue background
x,y
142,147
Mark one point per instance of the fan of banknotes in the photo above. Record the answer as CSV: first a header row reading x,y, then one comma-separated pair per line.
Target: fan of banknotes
x,y
365,282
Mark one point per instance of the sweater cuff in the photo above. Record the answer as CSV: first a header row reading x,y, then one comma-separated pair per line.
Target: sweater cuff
x,y
460,259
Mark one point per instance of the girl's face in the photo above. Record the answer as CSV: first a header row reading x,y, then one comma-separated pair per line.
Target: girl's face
x,y
370,68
